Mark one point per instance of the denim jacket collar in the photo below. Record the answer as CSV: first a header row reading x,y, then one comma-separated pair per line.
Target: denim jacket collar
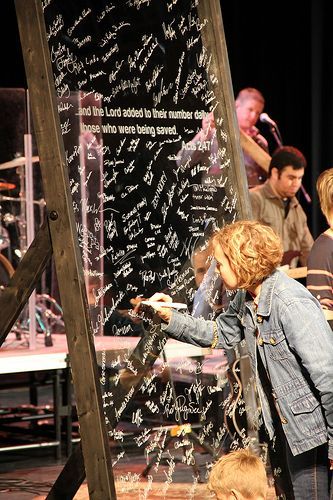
x,y
266,294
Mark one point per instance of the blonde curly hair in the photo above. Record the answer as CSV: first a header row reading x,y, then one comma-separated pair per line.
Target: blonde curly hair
x,y
324,187
242,471
253,249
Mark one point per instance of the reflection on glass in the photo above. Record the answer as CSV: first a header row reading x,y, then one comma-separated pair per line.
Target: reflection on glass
x,y
133,82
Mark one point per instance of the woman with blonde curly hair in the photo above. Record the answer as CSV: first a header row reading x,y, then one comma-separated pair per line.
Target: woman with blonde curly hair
x,y
289,343
253,251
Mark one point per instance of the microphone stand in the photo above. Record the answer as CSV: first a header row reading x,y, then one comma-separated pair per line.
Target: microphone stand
x,y
277,136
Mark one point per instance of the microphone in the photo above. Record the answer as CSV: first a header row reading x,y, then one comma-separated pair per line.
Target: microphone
x,y
264,118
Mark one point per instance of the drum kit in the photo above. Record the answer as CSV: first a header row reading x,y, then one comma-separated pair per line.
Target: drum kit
x,y
48,313
6,219
16,216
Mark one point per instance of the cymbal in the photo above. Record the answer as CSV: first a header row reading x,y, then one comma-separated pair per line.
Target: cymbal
x,y
17,162
4,186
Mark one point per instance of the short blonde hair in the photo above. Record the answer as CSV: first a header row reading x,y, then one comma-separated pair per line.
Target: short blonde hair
x,y
324,187
239,470
250,93
253,249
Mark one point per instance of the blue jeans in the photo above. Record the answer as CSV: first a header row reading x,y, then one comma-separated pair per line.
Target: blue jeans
x,y
310,474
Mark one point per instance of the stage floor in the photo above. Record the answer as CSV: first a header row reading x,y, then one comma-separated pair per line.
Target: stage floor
x,y
29,474
31,478
17,356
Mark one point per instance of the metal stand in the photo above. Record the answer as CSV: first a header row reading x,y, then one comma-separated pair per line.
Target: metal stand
x,y
36,317
277,136
32,421
30,231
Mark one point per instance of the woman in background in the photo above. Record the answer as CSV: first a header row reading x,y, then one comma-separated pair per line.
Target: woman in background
x,y
320,261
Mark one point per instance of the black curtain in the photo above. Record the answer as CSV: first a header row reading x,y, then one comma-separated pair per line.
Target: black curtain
x,y
321,100
282,48
285,49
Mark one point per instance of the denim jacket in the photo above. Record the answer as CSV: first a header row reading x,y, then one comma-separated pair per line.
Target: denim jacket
x,y
290,333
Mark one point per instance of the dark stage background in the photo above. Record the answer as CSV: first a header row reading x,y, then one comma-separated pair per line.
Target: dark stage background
x,y
282,48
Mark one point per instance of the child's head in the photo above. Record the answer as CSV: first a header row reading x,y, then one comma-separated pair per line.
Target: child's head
x,y
239,475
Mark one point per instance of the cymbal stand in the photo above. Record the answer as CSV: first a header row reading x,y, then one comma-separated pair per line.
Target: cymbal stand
x,y
21,219
41,205
43,313
26,220
30,315
277,136
30,231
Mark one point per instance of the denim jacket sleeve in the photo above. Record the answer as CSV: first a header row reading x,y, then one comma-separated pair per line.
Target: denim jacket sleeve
x,y
311,338
200,332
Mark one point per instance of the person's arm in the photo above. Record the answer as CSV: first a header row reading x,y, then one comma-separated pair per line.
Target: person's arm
x,y
256,204
310,337
263,143
305,239
306,245
225,332
198,148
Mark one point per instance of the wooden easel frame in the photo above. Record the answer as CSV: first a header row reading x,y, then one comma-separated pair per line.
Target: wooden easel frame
x,y
58,237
